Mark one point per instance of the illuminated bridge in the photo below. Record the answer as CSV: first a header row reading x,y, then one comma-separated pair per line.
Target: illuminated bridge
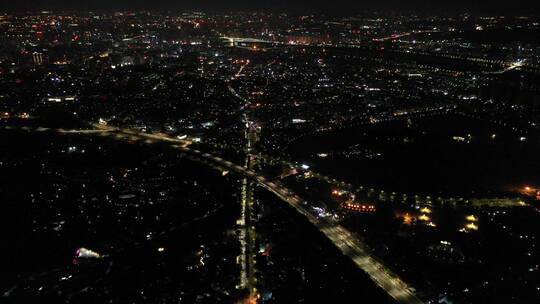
x,y
247,42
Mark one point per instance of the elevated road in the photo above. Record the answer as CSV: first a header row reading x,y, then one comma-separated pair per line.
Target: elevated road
x,y
340,237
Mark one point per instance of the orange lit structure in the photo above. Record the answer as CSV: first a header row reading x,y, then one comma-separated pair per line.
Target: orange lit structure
x,y
357,207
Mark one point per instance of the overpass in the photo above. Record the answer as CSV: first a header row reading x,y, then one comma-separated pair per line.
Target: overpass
x,y
345,241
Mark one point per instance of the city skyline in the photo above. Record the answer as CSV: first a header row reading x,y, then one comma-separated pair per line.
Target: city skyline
x,y
342,7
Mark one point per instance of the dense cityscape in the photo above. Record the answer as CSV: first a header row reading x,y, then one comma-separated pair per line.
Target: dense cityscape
x,y
269,157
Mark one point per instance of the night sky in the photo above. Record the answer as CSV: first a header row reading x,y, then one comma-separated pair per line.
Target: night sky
x,y
297,6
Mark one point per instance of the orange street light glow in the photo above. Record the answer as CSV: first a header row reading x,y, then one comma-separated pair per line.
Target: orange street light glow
x,y
407,219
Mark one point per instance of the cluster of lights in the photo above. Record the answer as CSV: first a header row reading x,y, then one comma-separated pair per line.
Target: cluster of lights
x,y
338,192
424,217
359,207
471,225
530,191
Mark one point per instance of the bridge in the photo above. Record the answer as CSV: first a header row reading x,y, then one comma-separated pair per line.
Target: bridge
x,y
239,42
344,240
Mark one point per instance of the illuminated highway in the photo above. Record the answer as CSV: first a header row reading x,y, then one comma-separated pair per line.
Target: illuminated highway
x,y
246,231
343,239
340,237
